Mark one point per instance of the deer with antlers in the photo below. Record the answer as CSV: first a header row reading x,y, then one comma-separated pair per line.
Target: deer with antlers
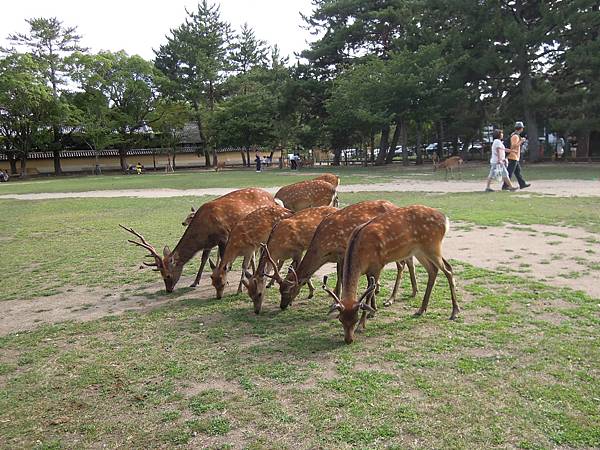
x,y
288,240
210,227
244,240
449,164
398,234
307,194
329,245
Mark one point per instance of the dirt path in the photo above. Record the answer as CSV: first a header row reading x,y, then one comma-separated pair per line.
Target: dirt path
x,y
559,256
560,188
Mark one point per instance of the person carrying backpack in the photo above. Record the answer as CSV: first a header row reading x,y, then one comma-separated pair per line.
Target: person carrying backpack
x,y
514,156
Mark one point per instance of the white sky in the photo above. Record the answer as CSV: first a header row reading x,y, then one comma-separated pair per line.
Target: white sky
x,y
138,26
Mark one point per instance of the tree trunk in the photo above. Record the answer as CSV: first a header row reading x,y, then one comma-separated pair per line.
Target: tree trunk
x,y
395,138
214,157
337,156
174,154
418,150
13,162
383,145
404,136
583,144
24,165
243,157
248,156
533,142
122,159
372,145
442,138
56,158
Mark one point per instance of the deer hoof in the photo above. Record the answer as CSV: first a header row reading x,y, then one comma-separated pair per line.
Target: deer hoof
x,y
194,285
418,314
388,303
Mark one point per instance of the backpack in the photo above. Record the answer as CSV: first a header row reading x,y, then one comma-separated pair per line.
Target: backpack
x,y
507,141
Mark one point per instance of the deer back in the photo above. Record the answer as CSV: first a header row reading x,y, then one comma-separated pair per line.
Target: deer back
x,y
453,161
253,230
307,194
330,178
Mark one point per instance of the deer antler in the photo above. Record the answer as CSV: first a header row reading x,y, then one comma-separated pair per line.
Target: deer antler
x,y
276,276
337,304
144,244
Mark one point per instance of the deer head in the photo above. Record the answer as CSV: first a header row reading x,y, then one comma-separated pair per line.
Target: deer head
x,y
219,277
167,265
189,218
348,315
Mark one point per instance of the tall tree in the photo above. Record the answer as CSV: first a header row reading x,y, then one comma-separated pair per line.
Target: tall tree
x,y
248,51
51,43
195,60
25,105
130,86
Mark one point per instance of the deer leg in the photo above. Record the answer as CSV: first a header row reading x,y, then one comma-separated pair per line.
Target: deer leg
x,y
413,279
205,255
245,264
447,269
400,268
432,272
311,289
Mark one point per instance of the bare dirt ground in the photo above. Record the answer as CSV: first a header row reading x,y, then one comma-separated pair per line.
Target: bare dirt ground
x,y
559,188
540,252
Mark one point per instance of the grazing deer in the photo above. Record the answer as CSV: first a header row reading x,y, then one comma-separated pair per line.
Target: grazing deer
x,y
288,240
307,194
398,234
450,164
329,245
244,240
220,165
210,227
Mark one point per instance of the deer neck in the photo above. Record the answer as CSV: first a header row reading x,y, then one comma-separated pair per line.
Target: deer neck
x,y
190,243
311,262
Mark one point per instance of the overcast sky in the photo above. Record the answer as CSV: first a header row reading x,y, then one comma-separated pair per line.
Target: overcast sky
x,y
138,26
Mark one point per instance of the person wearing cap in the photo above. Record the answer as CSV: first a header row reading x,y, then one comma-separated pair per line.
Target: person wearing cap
x,y
514,156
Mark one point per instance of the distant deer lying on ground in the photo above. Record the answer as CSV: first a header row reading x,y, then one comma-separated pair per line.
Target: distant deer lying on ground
x,y
244,240
210,227
450,164
396,235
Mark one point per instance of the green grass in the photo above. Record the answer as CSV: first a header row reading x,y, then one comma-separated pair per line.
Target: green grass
x,y
55,244
518,369
273,177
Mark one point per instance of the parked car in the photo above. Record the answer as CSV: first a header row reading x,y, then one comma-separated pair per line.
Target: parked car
x,y
398,151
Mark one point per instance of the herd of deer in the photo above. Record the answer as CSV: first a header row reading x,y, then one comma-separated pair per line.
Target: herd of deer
x,y
302,223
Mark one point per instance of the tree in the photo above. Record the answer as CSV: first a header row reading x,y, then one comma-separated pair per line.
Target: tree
x,y
130,86
51,43
168,125
195,60
248,52
25,106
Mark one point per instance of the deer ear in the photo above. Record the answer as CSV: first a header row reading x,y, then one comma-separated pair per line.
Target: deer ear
x,y
166,251
247,274
193,210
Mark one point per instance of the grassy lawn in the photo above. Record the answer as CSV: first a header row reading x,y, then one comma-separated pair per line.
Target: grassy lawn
x,y
519,369
273,177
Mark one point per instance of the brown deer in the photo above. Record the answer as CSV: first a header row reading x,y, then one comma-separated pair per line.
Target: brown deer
x,y
450,164
288,240
189,217
244,240
220,165
398,234
332,179
210,227
329,245
307,194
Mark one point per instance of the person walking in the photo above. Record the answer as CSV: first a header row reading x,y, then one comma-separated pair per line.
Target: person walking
x,y
498,163
258,161
514,156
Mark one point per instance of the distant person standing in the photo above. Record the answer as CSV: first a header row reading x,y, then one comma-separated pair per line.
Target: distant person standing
x,y
514,156
258,161
560,148
498,163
